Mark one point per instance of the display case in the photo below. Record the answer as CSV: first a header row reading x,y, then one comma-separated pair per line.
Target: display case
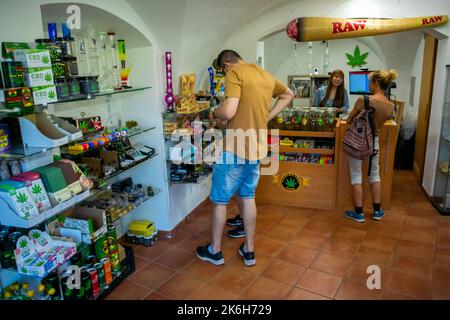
x,y
305,88
441,194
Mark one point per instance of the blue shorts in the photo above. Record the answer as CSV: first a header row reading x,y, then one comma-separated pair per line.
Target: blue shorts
x,y
234,174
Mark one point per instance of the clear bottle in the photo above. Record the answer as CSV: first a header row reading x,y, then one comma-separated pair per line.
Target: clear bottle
x,y
81,52
92,49
112,56
105,69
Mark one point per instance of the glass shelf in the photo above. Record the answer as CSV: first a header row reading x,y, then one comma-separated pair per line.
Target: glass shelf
x,y
199,180
156,192
21,153
84,97
131,133
112,175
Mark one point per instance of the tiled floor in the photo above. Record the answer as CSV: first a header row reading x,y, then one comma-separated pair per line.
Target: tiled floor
x,y
305,254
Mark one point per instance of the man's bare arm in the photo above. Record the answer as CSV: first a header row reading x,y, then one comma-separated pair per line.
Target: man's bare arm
x,y
283,101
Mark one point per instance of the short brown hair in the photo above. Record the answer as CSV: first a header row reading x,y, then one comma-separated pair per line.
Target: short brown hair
x,y
227,56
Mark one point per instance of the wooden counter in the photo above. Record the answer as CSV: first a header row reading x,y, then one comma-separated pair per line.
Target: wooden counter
x,y
322,186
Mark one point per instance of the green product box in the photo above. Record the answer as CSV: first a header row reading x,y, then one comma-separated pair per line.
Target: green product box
x,y
9,47
101,247
44,95
53,178
39,77
33,58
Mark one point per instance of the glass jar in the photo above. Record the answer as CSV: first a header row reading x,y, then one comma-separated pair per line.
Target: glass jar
x,y
62,88
67,45
330,117
74,87
320,122
305,119
71,66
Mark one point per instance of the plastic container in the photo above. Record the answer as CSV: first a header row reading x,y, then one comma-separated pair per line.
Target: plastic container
x,y
62,88
74,87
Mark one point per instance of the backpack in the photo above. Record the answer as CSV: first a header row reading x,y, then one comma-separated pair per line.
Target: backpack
x,y
359,139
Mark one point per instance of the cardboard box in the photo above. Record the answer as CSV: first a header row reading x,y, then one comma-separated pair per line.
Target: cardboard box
x,y
95,166
39,77
44,95
91,222
33,58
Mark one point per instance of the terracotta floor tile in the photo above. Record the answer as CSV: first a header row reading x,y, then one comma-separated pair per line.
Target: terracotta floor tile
x,y
425,235
194,225
441,273
234,280
293,221
395,217
422,208
266,289
262,262
156,296
419,222
321,228
152,276
299,294
389,295
355,291
230,250
349,234
443,239
358,273
194,241
374,256
308,240
269,247
443,255
386,228
413,265
281,233
181,286
128,290
213,292
441,291
153,252
284,272
413,286
318,282
298,255
175,259
177,237
330,216
140,262
416,249
331,264
297,212
341,248
380,242
202,270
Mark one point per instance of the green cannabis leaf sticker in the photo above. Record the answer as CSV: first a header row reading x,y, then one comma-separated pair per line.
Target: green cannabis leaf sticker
x,y
36,189
48,77
357,59
22,198
52,95
291,182
45,60
24,270
23,243
36,235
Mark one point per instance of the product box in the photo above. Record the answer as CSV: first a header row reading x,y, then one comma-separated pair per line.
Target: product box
x,y
90,221
73,183
39,77
5,141
9,47
55,184
44,95
33,58
12,73
16,195
18,98
38,254
36,189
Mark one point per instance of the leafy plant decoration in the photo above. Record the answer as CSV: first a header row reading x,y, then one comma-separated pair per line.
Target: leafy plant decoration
x,y
357,59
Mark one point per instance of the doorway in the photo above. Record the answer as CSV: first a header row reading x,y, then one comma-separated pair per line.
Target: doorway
x,y
426,92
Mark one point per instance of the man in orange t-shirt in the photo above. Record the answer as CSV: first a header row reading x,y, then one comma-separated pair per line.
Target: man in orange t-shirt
x,y
249,91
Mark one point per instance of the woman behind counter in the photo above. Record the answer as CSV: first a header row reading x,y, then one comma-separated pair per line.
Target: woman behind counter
x,y
334,94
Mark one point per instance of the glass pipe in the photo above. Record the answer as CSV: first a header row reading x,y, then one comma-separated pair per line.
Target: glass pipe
x,y
169,98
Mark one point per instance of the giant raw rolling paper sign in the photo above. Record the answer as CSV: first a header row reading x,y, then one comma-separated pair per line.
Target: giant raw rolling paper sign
x,y
318,28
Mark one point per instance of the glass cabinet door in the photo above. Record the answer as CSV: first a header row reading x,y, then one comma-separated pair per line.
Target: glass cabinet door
x,y
441,197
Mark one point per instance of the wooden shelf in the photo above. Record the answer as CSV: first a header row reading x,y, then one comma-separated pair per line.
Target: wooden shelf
x,y
322,151
307,134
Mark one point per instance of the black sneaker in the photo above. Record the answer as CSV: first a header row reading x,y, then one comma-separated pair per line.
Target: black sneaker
x,y
249,257
204,254
237,232
236,221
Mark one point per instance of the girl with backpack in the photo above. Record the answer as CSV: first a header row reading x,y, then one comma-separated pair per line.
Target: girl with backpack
x,y
361,140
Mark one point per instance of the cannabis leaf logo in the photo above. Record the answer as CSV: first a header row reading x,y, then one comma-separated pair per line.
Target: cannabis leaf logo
x,y
24,270
45,60
52,95
36,235
36,189
357,59
291,183
48,77
40,264
22,198
23,243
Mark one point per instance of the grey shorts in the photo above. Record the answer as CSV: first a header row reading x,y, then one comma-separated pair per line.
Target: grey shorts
x,y
355,168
